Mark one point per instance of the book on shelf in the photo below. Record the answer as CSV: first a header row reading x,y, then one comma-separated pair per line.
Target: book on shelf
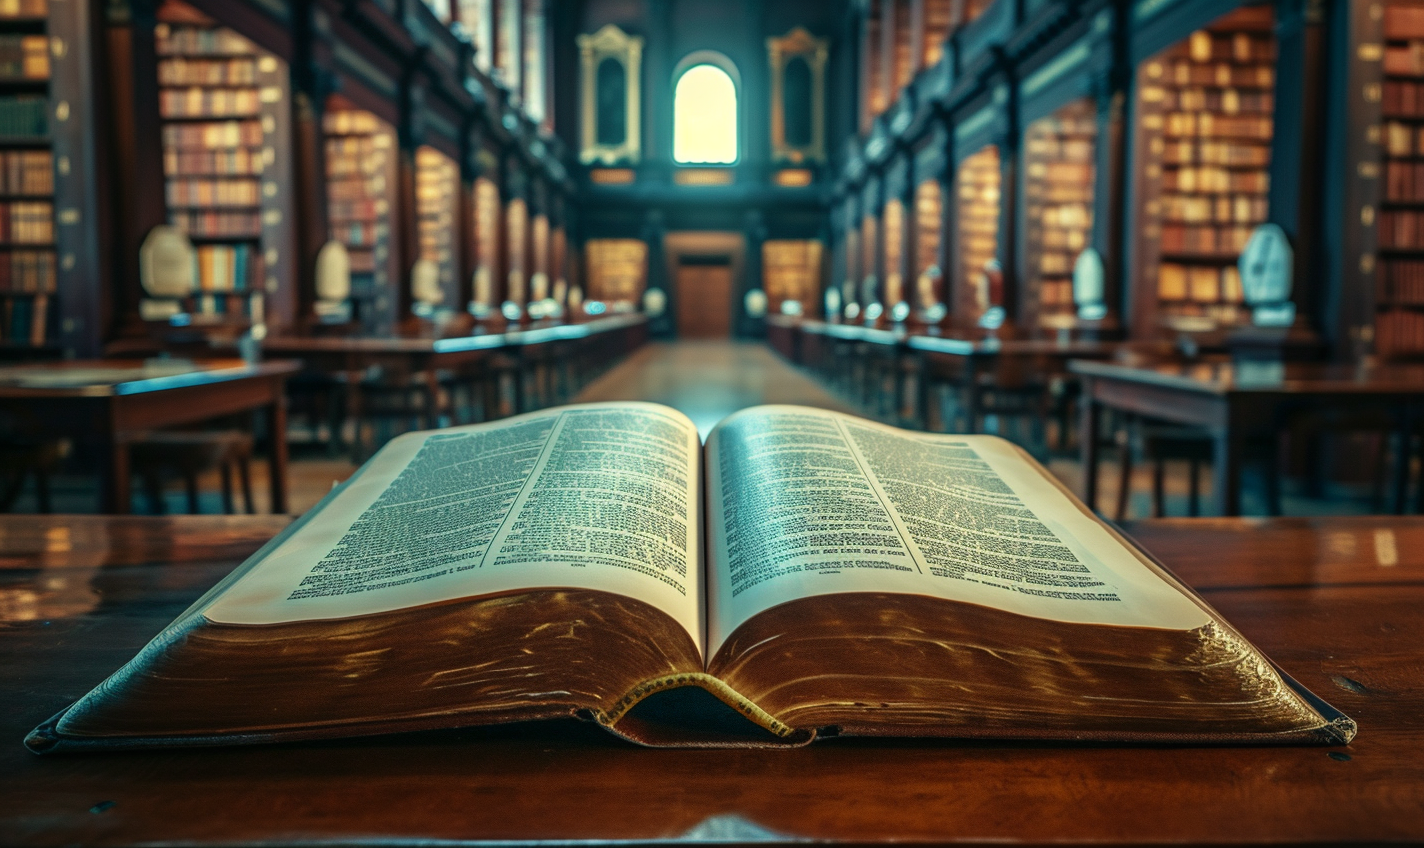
x,y
24,116
856,579
24,8
24,57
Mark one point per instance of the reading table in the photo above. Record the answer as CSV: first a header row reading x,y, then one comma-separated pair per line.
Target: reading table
x,y
113,403
969,365
1234,401
1337,602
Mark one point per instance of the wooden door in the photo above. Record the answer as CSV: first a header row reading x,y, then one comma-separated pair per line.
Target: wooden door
x,y
704,300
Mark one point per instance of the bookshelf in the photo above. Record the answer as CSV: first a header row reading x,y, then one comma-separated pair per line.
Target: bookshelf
x,y
487,231
1204,132
27,221
360,189
792,269
938,19
892,282
929,218
868,228
437,183
1399,264
222,100
516,231
976,224
617,270
1059,151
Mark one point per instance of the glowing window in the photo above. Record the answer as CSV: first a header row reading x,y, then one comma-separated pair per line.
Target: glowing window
x,y
704,110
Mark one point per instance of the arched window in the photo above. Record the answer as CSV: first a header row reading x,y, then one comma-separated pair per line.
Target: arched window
x,y
704,117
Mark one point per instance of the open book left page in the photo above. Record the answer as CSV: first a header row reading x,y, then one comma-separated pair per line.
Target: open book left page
x,y
537,567
598,496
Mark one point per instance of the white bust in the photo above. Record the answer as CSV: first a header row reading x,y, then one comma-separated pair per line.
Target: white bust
x,y
425,283
333,272
166,263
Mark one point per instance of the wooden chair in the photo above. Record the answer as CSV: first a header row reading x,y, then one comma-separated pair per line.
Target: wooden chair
x,y
20,460
190,454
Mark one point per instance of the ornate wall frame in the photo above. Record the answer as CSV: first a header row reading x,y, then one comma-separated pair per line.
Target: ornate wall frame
x,y
798,43
610,42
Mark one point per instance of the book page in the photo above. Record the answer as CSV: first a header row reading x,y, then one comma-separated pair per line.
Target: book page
x,y
598,496
805,502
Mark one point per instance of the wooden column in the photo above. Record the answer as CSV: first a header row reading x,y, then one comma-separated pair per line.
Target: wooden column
x,y
135,145
1298,147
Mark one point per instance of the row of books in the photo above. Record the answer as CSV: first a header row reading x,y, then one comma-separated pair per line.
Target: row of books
x,y
207,192
1205,46
1198,283
350,210
1055,295
27,222
183,71
1201,124
1056,264
1402,99
1404,182
1401,281
1214,180
24,319
212,136
24,57
1055,192
26,172
24,116
1073,216
225,267
1063,152
208,102
1223,153
1213,209
1208,241
27,272
1228,101
978,214
1401,228
238,162
352,122
1403,139
1403,21
175,40
1221,74
1399,330
1070,239
1405,60
24,8
354,190
359,233
211,223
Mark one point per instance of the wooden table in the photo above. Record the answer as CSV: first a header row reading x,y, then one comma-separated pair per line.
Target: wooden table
x,y
964,362
424,358
113,403
1234,402
349,359
1339,603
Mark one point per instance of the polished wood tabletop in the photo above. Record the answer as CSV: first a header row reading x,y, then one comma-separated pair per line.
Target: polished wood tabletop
x,y
1338,603
1300,378
114,377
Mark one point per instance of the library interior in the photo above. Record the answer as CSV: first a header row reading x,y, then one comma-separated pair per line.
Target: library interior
x,y
1050,308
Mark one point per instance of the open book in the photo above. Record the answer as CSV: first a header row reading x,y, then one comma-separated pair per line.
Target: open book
x,y
804,573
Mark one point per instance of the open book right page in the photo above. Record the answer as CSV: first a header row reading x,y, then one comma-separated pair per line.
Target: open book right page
x,y
950,579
